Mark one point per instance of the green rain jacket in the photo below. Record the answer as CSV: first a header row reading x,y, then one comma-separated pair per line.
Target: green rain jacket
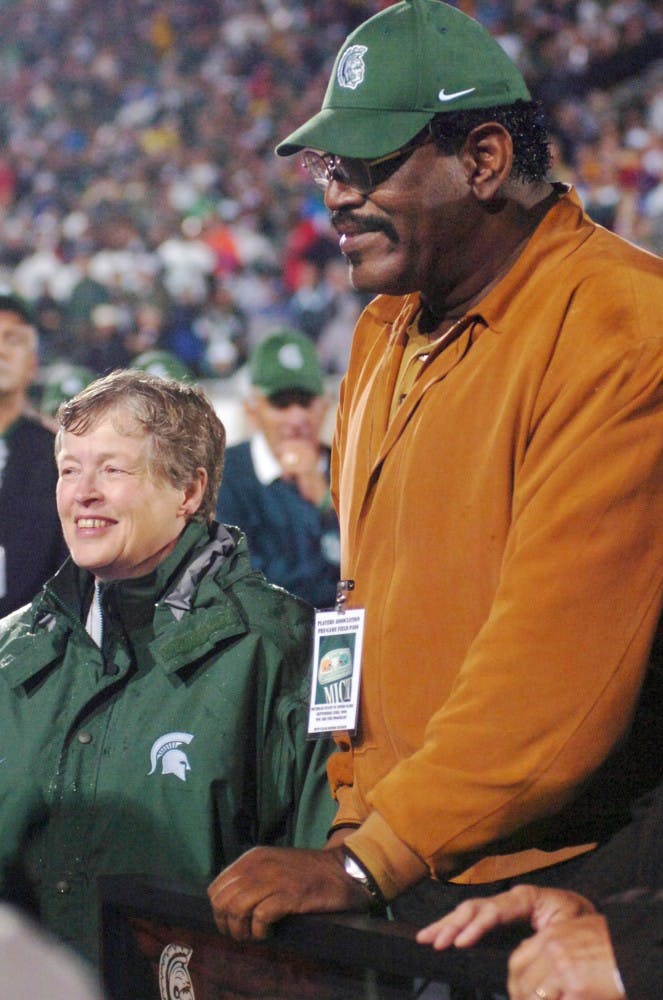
x,y
169,754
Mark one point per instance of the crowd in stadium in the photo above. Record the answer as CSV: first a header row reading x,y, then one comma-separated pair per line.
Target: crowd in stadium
x,y
142,206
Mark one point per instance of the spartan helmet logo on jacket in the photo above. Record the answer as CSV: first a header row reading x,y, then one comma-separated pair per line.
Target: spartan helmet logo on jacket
x,y
167,750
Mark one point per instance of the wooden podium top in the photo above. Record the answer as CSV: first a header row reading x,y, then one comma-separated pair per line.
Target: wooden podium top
x,y
159,942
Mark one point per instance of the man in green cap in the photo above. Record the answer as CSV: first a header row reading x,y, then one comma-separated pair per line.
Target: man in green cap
x,y
498,472
276,486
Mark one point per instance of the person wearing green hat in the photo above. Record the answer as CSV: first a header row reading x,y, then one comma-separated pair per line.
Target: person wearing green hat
x,y
498,471
61,381
164,364
276,485
31,543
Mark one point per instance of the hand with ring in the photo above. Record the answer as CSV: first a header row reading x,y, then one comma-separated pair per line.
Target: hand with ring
x,y
570,960
569,957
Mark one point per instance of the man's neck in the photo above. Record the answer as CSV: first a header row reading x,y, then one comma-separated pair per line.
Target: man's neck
x,y
508,233
11,408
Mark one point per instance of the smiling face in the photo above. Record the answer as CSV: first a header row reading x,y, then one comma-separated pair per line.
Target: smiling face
x,y
119,521
416,231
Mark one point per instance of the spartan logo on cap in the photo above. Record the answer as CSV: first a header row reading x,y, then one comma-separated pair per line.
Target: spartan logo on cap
x,y
167,750
351,69
174,978
291,357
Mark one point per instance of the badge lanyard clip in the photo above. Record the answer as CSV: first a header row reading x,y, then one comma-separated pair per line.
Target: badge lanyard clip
x,y
343,588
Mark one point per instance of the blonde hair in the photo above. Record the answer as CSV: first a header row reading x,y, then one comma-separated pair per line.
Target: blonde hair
x,y
184,431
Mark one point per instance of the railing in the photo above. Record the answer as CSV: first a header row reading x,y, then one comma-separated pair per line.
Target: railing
x,y
160,943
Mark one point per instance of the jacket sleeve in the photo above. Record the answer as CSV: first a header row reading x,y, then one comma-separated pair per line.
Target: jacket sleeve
x,y
294,792
636,932
314,805
295,777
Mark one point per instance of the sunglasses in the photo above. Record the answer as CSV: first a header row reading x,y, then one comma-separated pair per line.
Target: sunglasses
x,y
362,175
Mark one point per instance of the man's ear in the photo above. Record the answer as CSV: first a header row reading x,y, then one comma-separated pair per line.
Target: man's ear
x,y
249,407
487,156
194,492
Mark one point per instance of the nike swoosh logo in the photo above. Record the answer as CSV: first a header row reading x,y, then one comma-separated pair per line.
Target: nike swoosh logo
x,y
442,96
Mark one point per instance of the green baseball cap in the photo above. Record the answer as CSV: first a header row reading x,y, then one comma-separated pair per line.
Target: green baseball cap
x,y
10,302
398,69
62,381
285,361
163,364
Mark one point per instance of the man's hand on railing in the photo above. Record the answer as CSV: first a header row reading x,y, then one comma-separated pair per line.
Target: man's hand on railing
x,y
268,883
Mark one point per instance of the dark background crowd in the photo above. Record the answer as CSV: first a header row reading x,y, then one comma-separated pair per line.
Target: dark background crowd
x,y
142,206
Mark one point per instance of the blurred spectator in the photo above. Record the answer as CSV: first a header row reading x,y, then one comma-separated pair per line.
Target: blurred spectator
x,y
86,294
341,313
223,325
181,335
31,543
312,304
49,321
276,486
162,364
61,381
187,263
103,350
146,329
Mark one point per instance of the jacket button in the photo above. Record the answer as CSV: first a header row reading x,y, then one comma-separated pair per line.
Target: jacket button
x,y
85,737
62,887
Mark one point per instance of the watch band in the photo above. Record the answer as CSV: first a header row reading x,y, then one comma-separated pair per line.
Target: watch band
x,y
354,868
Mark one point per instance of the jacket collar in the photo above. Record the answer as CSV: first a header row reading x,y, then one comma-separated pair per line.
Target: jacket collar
x,y
36,638
563,228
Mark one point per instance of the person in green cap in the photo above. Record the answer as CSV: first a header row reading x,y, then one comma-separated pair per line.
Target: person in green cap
x,y
276,485
498,472
61,381
164,364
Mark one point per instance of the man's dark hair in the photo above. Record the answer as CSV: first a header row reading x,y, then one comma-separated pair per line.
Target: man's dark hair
x,y
525,121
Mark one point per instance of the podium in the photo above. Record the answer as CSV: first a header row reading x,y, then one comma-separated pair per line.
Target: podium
x,y
159,942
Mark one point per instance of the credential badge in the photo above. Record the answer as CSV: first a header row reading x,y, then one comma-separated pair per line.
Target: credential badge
x,y
351,69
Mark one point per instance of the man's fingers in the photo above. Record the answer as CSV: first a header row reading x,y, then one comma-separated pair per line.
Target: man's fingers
x,y
233,904
242,920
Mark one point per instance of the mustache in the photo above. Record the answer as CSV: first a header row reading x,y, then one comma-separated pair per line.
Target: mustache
x,y
343,219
